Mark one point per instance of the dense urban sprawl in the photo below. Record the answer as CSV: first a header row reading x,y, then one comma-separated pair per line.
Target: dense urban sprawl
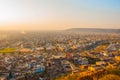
x,y
49,55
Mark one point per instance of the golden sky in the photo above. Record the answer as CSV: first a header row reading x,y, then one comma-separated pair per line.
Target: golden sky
x,y
59,14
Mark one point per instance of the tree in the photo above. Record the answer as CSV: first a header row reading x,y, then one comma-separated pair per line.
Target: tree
x,y
110,77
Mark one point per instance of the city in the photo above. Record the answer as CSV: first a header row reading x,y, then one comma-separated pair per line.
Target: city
x,y
50,55
59,39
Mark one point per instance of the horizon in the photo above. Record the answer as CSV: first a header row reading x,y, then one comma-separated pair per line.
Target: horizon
x,y
59,15
60,30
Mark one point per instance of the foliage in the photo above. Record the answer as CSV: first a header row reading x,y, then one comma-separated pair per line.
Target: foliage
x,y
110,77
100,48
7,50
114,71
109,74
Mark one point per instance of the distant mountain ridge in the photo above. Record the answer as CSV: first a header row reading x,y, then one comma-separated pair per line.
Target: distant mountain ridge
x,y
94,30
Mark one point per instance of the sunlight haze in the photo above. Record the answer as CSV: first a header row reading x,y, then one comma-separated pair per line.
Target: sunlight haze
x,y
59,14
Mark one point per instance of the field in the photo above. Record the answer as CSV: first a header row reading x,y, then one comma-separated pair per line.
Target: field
x,y
7,50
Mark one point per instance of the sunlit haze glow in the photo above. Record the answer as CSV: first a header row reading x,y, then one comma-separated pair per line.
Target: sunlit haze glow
x,y
59,14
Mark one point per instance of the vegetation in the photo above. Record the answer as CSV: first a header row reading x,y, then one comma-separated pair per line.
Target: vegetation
x,y
101,48
110,77
113,71
109,74
7,50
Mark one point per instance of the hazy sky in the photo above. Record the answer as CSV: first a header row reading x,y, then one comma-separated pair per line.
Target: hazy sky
x,y
59,14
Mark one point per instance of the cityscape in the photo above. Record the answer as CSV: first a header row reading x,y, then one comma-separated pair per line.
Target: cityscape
x,y
60,40
55,55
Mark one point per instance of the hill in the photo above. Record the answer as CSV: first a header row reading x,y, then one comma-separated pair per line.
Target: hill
x,y
94,30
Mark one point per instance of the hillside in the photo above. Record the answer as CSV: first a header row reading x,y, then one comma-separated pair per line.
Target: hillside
x,y
94,30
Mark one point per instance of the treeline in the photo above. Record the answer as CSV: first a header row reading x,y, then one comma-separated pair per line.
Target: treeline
x,y
107,74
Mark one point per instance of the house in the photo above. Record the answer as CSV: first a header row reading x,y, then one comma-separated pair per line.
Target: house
x,y
104,53
117,58
58,55
100,63
113,47
40,48
95,67
2,78
66,66
83,67
26,50
83,61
